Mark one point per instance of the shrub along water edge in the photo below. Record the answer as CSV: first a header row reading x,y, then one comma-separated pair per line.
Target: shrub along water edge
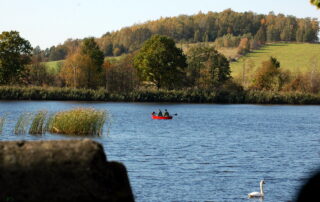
x,y
223,95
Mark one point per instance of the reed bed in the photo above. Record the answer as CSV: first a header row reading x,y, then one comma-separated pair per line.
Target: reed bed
x,y
22,124
222,95
79,121
38,125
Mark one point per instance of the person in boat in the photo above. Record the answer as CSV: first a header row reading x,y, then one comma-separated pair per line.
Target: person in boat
x,y
166,113
160,113
153,113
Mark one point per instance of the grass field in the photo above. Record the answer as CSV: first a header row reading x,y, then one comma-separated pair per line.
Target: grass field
x,y
114,59
54,66
292,56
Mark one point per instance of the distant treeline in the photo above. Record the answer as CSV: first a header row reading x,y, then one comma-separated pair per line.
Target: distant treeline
x,y
158,72
197,28
224,96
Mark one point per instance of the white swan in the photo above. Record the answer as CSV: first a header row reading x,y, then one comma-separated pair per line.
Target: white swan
x,y
258,194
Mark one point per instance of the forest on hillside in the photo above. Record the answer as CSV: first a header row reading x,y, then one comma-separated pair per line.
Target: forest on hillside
x,y
209,27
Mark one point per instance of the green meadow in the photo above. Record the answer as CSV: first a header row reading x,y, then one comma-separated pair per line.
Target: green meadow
x,y
295,57
54,66
113,59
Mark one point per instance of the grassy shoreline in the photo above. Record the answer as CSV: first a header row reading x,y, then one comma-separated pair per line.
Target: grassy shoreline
x,y
223,96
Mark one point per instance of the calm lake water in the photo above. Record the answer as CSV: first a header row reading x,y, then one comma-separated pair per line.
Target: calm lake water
x,y
206,153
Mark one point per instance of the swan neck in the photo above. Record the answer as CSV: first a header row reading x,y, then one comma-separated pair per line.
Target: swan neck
x,y
261,188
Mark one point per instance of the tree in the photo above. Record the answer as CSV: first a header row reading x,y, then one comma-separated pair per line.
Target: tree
x,y
107,50
38,75
314,74
316,3
84,68
207,68
71,45
244,46
121,76
15,53
270,77
286,34
161,62
138,37
197,36
58,53
261,35
90,48
247,67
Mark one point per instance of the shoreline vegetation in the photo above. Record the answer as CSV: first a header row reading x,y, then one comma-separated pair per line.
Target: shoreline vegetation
x,y
175,96
77,121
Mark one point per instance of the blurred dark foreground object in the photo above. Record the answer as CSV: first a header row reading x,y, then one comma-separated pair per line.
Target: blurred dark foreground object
x,y
72,170
310,191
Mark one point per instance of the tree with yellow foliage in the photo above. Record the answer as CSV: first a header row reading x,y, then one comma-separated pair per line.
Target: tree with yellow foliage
x,y
83,69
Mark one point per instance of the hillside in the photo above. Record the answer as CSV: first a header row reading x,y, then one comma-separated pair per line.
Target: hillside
x,y
54,66
208,27
198,28
296,57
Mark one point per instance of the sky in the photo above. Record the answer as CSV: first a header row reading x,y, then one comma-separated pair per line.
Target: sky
x,y
51,22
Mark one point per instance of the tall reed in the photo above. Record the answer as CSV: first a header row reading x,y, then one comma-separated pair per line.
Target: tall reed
x,y
2,121
79,121
22,124
38,125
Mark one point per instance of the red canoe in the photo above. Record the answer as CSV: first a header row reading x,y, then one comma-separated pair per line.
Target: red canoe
x,y
161,117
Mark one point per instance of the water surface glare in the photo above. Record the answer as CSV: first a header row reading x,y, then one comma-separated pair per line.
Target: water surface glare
x,y
206,153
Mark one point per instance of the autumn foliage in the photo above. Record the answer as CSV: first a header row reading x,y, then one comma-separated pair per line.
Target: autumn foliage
x,y
269,76
83,69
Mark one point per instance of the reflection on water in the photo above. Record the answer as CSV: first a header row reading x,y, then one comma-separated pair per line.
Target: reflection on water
x,y
207,152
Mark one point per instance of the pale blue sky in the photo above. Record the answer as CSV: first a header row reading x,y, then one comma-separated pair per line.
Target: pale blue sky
x,y
50,22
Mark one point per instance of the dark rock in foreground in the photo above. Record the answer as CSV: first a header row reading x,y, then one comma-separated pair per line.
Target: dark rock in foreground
x,y
310,190
73,170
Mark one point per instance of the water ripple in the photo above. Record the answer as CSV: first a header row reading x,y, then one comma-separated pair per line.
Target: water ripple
x,y
208,152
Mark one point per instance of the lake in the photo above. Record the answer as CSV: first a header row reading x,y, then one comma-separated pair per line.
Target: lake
x,y
206,153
